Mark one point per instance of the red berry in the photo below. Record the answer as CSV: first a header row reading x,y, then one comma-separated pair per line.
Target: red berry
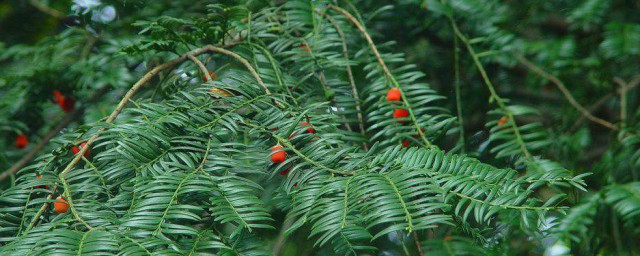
x,y
310,129
21,141
406,143
66,104
77,149
284,172
57,95
394,94
278,155
212,75
61,205
400,113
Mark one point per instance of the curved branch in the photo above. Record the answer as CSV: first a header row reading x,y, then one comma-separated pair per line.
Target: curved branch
x,y
201,66
125,99
565,92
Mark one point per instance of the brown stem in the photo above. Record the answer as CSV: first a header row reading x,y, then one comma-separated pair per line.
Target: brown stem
x,y
416,240
565,92
43,8
201,66
167,65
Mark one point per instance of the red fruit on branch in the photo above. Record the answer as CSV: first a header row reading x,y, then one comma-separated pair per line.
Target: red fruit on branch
x,y
77,149
400,113
310,129
60,205
406,143
278,155
394,94
21,141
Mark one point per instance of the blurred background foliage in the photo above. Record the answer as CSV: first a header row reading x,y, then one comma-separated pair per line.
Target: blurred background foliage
x,y
592,46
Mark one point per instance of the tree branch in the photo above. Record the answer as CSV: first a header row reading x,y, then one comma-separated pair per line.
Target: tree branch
x,y
43,8
565,92
125,99
373,47
345,53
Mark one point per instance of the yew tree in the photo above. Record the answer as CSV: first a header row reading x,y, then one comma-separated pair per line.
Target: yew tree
x,y
302,128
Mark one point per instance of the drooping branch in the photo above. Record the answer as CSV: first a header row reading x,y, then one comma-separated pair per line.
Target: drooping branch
x,y
491,88
373,47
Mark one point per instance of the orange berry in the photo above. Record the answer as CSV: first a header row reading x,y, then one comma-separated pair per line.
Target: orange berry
x,y
278,155
60,205
21,141
394,94
503,120
447,237
77,149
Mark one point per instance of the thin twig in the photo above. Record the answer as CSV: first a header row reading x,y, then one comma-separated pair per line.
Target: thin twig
x,y
623,101
491,88
200,65
66,120
456,63
43,8
416,240
356,96
565,92
624,88
373,47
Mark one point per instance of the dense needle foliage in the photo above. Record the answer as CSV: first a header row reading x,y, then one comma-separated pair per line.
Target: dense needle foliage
x,y
265,127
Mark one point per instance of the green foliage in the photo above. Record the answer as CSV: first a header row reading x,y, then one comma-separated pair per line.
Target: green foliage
x,y
185,167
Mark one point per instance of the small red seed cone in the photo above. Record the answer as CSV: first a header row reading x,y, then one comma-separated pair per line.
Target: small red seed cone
x,y
21,141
